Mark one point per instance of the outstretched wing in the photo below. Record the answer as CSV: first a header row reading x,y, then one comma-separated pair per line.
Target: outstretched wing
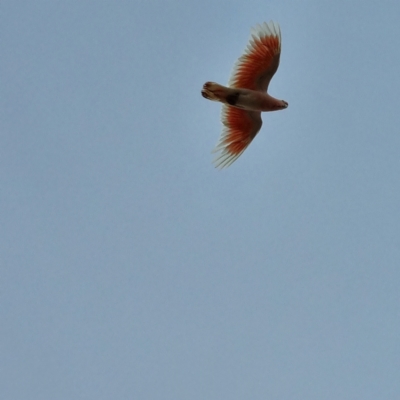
x,y
255,68
241,126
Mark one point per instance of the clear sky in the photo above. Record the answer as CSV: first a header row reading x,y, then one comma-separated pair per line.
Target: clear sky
x,y
131,268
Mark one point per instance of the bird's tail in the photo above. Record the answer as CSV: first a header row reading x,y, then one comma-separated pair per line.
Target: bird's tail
x,y
215,92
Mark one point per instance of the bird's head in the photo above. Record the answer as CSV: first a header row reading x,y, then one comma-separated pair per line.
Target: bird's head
x,y
284,104
279,105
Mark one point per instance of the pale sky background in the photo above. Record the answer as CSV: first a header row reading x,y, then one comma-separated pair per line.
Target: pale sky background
x,y
131,268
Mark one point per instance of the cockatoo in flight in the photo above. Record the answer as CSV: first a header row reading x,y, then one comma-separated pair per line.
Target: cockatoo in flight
x,y
247,95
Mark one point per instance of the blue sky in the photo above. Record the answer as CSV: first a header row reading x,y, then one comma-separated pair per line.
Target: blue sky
x,y
131,268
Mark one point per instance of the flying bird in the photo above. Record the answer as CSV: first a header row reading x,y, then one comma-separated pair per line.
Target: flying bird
x,y
246,97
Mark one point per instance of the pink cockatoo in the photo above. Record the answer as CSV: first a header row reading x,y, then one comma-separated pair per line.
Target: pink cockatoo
x,y
246,97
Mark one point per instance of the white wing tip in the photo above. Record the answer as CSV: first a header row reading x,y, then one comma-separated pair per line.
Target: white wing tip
x,y
225,158
266,29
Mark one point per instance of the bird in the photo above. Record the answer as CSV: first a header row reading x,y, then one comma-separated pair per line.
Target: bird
x,y
246,95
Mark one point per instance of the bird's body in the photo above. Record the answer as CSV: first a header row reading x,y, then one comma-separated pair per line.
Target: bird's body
x,y
246,97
